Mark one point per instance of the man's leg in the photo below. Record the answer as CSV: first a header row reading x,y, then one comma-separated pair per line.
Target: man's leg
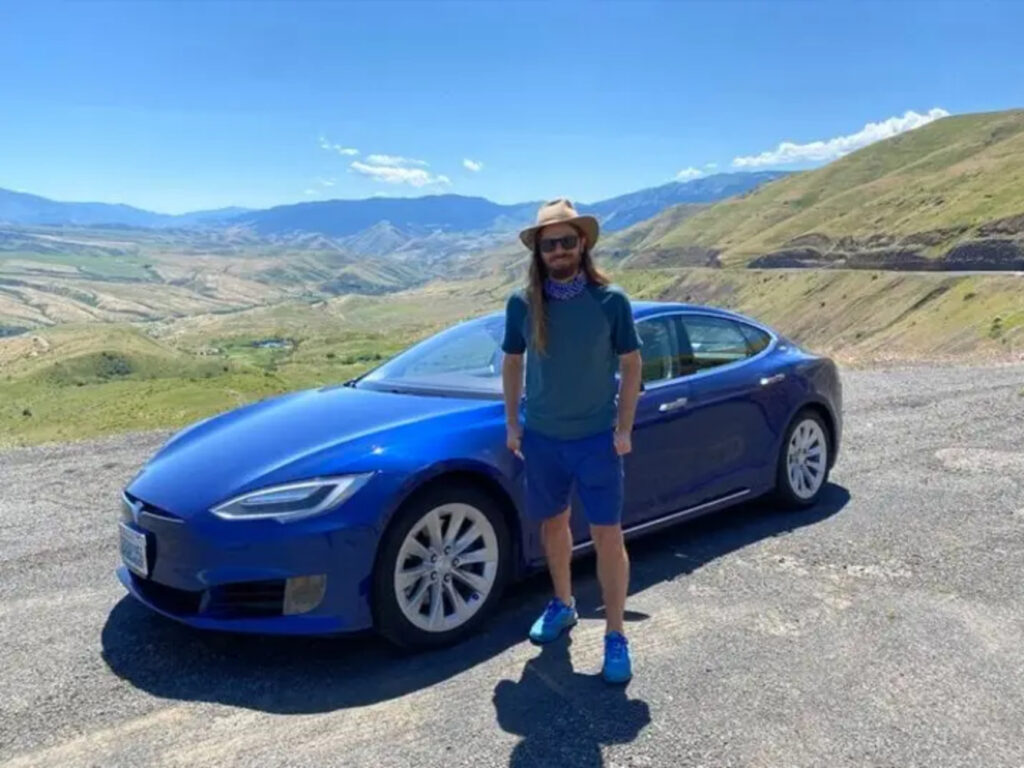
x,y
548,486
612,572
557,538
601,475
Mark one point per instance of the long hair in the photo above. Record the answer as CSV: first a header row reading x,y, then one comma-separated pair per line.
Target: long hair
x,y
535,290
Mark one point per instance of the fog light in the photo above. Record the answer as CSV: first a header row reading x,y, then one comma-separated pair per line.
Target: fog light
x,y
303,593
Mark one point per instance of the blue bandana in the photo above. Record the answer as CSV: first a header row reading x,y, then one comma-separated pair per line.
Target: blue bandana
x,y
557,290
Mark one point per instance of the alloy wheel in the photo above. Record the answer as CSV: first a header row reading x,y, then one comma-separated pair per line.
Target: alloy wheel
x,y
806,458
446,567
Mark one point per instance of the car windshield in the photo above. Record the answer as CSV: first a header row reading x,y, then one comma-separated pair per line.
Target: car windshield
x,y
462,360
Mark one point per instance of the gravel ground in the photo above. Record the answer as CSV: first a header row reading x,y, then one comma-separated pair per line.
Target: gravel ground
x,y
883,627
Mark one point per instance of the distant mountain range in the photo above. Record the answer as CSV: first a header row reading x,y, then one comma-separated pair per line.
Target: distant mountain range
x,y
381,220
23,208
418,217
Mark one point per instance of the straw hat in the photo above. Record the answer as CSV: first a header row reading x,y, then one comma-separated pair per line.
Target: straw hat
x,y
560,211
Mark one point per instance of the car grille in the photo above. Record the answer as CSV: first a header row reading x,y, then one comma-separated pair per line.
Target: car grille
x,y
246,599
180,602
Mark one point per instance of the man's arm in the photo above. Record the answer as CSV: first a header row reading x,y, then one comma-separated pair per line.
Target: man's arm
x,y
512,387
627,344
629,390
513,345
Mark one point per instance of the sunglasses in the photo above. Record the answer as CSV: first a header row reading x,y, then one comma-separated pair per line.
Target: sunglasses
x,y
547,244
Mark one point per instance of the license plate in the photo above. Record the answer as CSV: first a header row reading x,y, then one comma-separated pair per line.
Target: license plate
x,y
133,550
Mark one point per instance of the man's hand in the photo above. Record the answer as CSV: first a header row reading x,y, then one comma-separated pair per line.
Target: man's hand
x,y
629,390
623,442
513,439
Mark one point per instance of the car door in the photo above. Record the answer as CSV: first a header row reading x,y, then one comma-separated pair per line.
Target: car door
x,y
658,467
728,420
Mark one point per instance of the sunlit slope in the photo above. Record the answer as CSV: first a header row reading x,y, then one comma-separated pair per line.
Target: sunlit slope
x,y
955,182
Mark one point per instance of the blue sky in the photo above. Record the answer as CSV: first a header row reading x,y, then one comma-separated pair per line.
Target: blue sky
x,y
189,105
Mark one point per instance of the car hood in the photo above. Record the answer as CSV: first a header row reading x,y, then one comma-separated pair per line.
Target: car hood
x,y
277,440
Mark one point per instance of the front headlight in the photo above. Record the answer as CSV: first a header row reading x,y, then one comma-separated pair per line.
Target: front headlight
x,y
293,500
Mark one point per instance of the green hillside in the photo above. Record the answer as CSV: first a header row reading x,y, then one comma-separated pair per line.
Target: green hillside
x,y
952,190
641,237
79,380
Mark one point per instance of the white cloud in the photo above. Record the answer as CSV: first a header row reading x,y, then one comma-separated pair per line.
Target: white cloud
x,y
394,161
472,165
325,144
831,149
689,173
326,182
394,169
416,177
309,191
711,166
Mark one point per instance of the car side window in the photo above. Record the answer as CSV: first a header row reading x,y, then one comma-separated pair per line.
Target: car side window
x,y
757,339
715,340
662,354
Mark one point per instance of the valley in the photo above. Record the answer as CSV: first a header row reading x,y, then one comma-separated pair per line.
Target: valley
x,y
81,379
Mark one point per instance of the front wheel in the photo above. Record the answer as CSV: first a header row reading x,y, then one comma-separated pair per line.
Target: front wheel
x,y
442,567
803,461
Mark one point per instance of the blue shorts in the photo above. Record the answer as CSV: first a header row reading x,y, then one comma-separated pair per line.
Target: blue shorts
x,y
553,464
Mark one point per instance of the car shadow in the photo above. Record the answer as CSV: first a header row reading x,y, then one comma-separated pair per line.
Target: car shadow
x,y
306,675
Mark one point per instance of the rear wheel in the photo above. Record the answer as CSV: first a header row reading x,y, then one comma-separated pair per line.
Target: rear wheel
x,y
803,465
442,567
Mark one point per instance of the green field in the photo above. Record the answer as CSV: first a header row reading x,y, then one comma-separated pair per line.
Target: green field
x,y
79,380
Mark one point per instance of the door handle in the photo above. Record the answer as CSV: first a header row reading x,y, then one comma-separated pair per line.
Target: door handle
x,y
672,405
766,380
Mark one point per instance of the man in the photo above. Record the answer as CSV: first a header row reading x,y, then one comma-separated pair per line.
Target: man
x,y
578,328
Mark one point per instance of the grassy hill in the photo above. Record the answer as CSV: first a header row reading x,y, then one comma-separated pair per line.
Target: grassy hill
x,y
640,241
948,194
83,379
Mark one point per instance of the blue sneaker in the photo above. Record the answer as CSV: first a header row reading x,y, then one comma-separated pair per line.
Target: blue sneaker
x,y
617,668
556,617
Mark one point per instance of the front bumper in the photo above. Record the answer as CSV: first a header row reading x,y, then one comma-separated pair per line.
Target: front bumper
x,y
302,624
230,575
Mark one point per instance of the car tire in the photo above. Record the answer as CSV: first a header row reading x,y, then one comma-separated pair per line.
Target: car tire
x,y
408,587
803,464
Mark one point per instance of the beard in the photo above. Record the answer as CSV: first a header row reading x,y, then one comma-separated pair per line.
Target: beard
x,y
563,269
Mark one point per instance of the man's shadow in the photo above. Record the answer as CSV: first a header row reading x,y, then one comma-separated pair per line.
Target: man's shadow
x,y
563,716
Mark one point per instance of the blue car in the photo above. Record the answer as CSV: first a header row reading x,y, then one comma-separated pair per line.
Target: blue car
x,y
392,502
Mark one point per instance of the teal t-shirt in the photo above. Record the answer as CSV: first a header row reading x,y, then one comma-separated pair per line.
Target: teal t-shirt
x,y
570,391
